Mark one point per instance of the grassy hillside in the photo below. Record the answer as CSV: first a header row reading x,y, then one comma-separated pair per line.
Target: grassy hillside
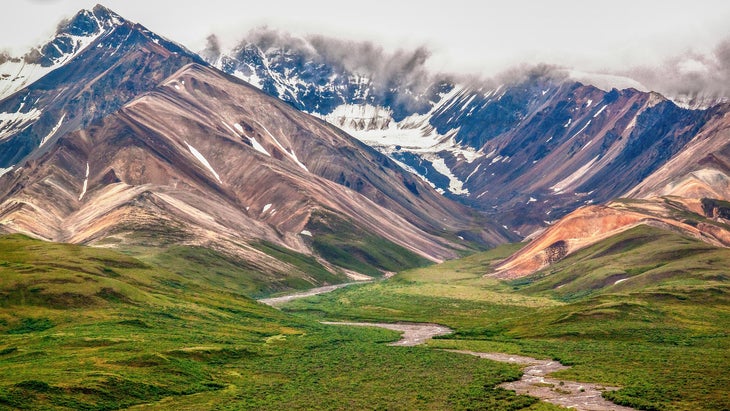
x,y
661,333
345,245
340,243
85,328
643,259
229,273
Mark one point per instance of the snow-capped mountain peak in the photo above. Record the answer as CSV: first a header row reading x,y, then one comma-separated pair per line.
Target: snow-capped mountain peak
x,y
72,36
117,59
540,144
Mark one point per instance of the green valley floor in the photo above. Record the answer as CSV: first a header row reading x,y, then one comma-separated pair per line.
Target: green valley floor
x,y
84,328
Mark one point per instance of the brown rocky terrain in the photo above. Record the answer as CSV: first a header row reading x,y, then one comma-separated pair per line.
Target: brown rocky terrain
x,y
700,170
205,159
688,195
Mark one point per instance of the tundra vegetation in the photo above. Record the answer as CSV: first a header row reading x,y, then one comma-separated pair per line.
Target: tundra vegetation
x,y
89,328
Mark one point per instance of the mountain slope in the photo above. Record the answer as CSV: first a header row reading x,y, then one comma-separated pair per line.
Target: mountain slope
x,y
114,62
590,225
700,170
136,142
527,151
637,260
72,37
206,160
687,194
121,325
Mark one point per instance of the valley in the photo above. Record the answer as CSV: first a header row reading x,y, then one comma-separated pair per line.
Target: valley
x,y
139,328
661,340
306,222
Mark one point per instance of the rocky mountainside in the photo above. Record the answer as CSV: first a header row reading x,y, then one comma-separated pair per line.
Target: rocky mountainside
x,y
700,170
72,37
109,62
149,146
528,151
702,220
689,195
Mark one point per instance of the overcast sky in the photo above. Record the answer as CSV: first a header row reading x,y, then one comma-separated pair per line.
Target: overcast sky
x,y
464,35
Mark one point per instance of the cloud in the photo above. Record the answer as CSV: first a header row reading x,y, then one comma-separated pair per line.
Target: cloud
x,y
404,70
4,56
691,77
212,50
530,72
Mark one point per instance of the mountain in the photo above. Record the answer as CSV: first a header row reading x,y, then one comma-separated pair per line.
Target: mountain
x,y
72,37
527,151
700,170
688,195
592,224
153,149
96,63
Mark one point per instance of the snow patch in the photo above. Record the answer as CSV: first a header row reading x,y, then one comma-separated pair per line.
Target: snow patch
x,y
456,186
86,182
266,208
620,281
473,172
4,171
15,75
53,131
203,161
306,232
229,127
375,126
290,153
256,145
10,123
584,127
600,111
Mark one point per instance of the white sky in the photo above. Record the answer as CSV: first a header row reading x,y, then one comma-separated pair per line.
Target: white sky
x,y
465,35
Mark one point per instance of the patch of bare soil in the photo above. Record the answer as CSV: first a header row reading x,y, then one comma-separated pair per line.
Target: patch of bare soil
x,y
275,301
413,334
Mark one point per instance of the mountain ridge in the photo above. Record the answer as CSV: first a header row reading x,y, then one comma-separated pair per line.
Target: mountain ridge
x,y
168,163
491,146
112,68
